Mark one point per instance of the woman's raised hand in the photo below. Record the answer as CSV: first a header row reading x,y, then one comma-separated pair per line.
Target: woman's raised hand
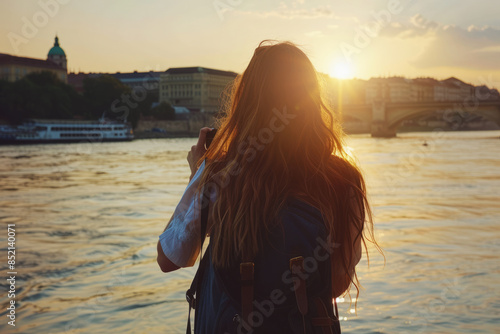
x,y
198,150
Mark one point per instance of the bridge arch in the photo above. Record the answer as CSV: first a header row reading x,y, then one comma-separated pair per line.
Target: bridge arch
x,y
360,112
396,117
353,118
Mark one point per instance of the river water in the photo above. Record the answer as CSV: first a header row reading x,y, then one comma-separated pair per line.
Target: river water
x,y
87,217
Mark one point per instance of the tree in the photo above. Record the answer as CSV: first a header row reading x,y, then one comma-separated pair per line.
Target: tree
x,y
163,111
43,95
37,95
104,95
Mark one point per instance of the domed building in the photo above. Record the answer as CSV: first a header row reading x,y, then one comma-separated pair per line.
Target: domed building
x,y
57,55
13,68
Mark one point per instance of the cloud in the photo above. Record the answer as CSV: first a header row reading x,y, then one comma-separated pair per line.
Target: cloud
x,y
417,26
293,12
474,47
313,33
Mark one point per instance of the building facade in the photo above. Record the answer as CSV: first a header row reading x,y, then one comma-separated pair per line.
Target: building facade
x,y
376,89
402,90
445,91
13,68
464,91
424,89
199,89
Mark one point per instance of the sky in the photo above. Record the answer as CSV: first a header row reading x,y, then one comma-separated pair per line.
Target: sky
x,y
362,39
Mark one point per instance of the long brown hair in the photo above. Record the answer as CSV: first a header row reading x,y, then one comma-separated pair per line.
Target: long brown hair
x,y
277,140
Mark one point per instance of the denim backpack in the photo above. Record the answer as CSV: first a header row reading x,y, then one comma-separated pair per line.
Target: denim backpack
x,y
286,288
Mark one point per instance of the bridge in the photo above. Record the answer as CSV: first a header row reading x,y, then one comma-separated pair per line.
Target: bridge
x,y
385,118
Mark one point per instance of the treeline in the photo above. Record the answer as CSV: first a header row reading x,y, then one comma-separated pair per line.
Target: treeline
x,y
43,95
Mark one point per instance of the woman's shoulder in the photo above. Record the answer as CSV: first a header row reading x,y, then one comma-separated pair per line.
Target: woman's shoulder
x,y
341,162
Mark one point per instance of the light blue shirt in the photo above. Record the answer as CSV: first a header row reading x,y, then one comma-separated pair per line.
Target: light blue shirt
x,y
181,240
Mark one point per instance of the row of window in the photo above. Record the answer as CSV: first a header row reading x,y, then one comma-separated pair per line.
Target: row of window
x,y
20,72
191,86
70,135
73,135
187,91
182,94
181,77
181,87
67,128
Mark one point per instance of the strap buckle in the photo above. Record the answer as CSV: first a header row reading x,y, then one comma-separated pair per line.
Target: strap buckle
x,y
190,298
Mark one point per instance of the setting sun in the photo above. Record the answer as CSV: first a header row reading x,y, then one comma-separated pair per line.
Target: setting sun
x,y
341,70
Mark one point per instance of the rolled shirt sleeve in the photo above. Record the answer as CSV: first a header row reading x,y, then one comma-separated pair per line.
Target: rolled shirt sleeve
x,y
181,239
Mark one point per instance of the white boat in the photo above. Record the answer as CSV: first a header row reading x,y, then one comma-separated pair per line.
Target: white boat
x,y
53,131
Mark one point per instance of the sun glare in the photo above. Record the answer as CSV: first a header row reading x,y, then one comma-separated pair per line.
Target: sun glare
x,y
341,70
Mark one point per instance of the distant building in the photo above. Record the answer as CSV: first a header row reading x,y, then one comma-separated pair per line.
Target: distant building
x,y
486,94
354,91
337,91
376,89
13,68
393,89
424,89
57,55
401,90
149,81
196,88
464,90
446,91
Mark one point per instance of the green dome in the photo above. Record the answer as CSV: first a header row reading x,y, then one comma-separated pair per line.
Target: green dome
x,y
56,49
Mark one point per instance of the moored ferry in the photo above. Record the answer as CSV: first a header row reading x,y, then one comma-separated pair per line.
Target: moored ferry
x,y
53,131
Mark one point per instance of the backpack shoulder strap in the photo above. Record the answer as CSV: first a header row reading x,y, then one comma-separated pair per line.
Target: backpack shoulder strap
x,y
247,287
195,284
299,286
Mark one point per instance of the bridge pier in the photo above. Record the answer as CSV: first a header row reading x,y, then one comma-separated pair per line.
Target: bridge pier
x,y
379,130
379,127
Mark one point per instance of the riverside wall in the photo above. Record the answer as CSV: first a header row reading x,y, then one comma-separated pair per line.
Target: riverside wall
x,y
189,126
192,123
